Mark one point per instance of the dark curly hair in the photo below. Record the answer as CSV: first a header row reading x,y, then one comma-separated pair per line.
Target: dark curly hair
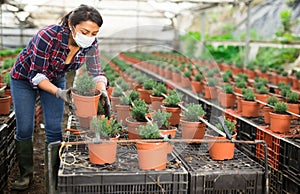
x,y
81,14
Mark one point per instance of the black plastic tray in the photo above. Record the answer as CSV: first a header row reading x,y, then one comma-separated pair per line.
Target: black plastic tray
x,y
239,175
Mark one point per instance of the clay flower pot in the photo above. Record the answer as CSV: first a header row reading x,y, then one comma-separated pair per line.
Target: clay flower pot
x,y
280,123
221,150
132,128
5,102
86,106
175,117
123,111
192,130
114,102
156,102
172,131
103,153
263,98
294,108
227,100
267,111
152,156
210,92
250,108
145,95
197,86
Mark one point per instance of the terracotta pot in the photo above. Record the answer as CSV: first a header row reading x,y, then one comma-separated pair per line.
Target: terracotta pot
x,y
236,70
132,128
239,104
238,90
85,122
161,71
86,106
7,92
283,79
227,100
109,91
5,102
168,73
263,98
152,156
250,108
267,111
156,102
295,83
185,82
251,74
210,92
221,150
192,130
294,108
103,153
197,86
172,131
123,111
114,102
175,117
176,77
280,123
145,95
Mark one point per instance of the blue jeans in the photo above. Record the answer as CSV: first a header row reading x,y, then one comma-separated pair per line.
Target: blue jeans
x,y
24,100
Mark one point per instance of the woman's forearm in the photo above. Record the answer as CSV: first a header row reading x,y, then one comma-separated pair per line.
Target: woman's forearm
x,y
47,86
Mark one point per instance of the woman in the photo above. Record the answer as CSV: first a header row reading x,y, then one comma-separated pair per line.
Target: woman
x,y
40,70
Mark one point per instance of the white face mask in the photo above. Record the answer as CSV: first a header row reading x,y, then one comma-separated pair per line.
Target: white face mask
x,y
82,40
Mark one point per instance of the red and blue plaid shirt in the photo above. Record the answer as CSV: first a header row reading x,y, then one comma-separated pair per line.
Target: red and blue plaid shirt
x,y
46,54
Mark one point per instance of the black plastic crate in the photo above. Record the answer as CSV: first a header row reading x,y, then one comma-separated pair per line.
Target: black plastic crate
x,y
275,181
239,175
3,134
291,184
247,132
290,156
123,176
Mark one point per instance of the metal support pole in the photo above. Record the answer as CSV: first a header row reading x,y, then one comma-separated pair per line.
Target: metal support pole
x,y
247,43
203,18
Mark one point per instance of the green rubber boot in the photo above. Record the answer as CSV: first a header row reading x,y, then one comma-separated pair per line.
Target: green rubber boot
x,y
55,162
25,158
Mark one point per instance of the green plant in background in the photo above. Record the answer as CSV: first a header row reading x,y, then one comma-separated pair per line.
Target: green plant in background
x,y
284,88
297,74
161,118
141,79
211,82
264,68
242,76
124,100
106,128
198,77
227,88
159,89
225,77
229,124
138,110
240,83
292,97
262,90
149,84
229,73
149,131
133,95
117,92
251,65
6,79
248,94
272,100
187,74
193,112
280,107
85,85
210,73
172,99
8,63
284,34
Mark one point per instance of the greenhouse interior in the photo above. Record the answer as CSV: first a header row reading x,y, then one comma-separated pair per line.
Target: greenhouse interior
x,y
150,96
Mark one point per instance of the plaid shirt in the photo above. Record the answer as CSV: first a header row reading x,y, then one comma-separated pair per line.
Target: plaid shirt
x,y
46,54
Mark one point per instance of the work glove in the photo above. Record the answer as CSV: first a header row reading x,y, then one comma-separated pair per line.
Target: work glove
x,y
65,95
105,102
